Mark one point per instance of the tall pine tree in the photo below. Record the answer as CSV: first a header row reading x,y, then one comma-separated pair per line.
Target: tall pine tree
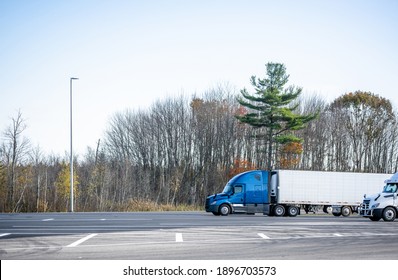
x,y
270,106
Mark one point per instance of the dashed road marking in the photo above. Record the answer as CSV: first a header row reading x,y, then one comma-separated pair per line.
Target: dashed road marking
x,y
337,234
4,234
46,220
74,244
262,235
179,237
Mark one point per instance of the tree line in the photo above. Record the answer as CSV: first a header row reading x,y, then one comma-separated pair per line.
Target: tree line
x,y
183,148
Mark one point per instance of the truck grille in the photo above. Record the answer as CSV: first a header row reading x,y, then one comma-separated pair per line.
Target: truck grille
x,y
365,209
365,204
207,203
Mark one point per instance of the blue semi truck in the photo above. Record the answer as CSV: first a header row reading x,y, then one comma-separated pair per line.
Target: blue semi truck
x,y
285,192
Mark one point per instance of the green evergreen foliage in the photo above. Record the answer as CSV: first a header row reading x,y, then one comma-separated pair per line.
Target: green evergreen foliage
x,y
271,106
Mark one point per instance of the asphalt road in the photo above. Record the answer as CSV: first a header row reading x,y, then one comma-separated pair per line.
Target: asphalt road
x,y
193,236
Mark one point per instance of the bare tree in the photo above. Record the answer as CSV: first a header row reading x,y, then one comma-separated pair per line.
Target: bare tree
x,y
15,148
365,117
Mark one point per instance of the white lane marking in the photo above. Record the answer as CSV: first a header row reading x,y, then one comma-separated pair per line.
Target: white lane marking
x,y
4,234
99,226
337,234
46,220
179,237
262,235
103,219
74,244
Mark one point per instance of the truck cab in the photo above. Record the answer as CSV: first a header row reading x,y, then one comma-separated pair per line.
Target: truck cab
x,y
383,205
245,193
250,193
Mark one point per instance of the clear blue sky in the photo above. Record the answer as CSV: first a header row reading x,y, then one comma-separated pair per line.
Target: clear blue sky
x,y
128,54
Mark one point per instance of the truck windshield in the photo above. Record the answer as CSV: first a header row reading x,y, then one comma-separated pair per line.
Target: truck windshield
x,y
227,189
390,188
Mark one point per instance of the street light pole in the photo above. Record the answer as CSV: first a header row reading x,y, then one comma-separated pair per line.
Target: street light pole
x,y
71,148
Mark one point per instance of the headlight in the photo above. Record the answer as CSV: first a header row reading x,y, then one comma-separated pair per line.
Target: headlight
x,y
214,202
375,205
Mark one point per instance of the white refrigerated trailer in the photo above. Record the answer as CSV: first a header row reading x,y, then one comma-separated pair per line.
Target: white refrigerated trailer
x,y
339,192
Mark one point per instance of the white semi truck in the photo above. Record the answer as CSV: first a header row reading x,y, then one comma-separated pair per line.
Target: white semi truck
x,y
285,192
382,205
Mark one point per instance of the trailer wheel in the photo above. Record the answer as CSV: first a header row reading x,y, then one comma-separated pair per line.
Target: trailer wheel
x,y
346,211
327,209
224,210
389,214
337,214
292,211
279,210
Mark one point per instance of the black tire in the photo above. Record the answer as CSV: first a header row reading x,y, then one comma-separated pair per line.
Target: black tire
x,y
336,214
292,211
216,213
279,210
346,211
375,218
224,210
326,209
389,214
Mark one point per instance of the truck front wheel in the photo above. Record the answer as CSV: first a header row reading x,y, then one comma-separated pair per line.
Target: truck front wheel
x,y
225,210
279,210
389,214
375,218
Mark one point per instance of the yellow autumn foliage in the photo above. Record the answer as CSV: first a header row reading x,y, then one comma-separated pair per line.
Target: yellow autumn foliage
x,y
62,183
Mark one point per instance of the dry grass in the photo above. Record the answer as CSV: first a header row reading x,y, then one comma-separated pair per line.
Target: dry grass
x,y
138,205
